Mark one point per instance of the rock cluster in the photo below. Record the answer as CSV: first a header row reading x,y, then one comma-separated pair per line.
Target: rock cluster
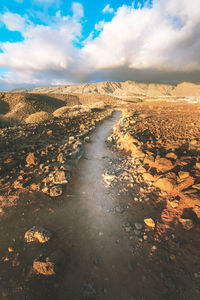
x,y
165,139
40,157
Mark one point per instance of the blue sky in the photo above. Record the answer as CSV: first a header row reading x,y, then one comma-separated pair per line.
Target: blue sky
x,y
49,42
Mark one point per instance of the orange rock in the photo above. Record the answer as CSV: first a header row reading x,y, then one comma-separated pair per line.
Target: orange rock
x,y
148,177
165,184
186,183
163,164
171,155
45,267
30,159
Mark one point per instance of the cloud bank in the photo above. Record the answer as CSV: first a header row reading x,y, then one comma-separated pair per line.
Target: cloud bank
x,y
160,42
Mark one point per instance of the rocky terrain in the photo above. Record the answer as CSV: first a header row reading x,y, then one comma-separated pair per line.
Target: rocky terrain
x,y
40,157
85,219
126,89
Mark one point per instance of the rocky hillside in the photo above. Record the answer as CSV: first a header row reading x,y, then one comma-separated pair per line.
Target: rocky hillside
x,y
18,107
126,89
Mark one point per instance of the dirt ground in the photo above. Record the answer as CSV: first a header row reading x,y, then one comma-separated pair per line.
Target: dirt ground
x,y
126,225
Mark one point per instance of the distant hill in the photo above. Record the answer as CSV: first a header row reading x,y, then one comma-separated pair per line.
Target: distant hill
x,y
17,106
126,89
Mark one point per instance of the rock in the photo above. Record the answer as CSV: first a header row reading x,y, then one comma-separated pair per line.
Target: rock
x,y
198,165
183,175
44,266
189,181
186,223
60,177
37,233
171,155
87,139
196,210
17,184
30,159
138,226
149,222
49,265
108,178
10,249
56,191
148,177
174,203
128,229
196,186
163,164
193,142
119,209
60,158
165,184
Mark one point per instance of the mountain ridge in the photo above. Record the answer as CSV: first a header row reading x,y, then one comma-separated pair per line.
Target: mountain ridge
x,y
125,89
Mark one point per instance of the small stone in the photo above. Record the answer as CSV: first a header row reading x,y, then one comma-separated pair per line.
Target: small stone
x,y
44,266
128,229
30,159
119,209
183,175
138,225
186,223
56,191
37,233
171,155
100,233
174,203
10,249
149,222
172,257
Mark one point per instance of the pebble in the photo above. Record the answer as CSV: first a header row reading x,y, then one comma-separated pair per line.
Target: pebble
x,y
149,222
172,257
100,233
119,209
138,225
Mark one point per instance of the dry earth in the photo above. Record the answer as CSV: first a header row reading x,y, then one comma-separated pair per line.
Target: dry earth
x,y
152,178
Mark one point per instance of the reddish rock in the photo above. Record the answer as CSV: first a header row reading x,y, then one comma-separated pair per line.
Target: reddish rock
x,y
163,164
189,181
30,159
44,267
165,184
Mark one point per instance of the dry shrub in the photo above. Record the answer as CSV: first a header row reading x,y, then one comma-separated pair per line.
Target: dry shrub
x,y
37,117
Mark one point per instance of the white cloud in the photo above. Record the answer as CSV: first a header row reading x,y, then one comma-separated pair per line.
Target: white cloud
x,y
45,48
100,25
165,37
108,9
13,22
158,43
77,9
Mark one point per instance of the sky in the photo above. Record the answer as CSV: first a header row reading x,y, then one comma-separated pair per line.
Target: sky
x,y
60,42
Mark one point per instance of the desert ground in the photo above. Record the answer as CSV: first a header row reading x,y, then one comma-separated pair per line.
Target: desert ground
x,y
100,192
